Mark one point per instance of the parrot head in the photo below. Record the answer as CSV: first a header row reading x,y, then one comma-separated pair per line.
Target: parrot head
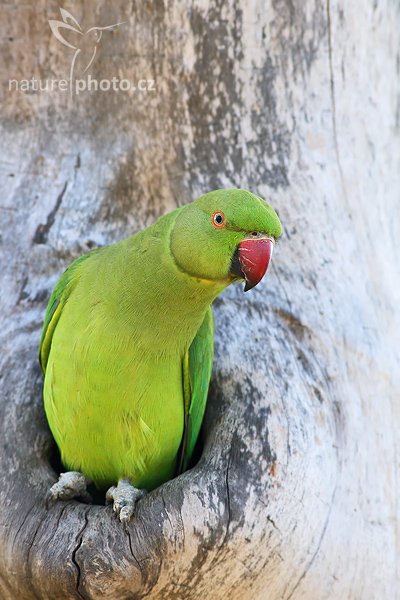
x,y
226,235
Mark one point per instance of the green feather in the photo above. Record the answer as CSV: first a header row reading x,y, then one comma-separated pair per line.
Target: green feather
x,y
197,368
57,300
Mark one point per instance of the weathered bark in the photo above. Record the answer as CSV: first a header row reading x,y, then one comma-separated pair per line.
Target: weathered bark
x,y
295,493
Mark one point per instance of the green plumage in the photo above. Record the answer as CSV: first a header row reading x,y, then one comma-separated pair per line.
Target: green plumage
x,y
127,342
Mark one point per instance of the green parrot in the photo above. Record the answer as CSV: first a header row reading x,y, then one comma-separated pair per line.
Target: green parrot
x,y
127,343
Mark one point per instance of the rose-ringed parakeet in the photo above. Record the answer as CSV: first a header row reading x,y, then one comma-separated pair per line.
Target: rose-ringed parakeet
x,y
127,343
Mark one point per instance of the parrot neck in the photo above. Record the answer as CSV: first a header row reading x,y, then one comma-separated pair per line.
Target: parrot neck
x,y
167,304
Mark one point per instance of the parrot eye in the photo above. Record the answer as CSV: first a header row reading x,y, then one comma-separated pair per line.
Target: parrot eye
x,y
218,219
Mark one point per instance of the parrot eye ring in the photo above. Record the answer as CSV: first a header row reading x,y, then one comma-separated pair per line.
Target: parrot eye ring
x,y
218,219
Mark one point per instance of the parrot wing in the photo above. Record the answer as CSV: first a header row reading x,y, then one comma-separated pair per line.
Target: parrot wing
x,y
57,300
197,368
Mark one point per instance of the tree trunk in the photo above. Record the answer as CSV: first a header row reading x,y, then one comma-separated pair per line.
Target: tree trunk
x,y
295,493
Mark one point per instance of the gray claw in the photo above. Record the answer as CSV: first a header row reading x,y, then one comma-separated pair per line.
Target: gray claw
x,y
69,485
124,497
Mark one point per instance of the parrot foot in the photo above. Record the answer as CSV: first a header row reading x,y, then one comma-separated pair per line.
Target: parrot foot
x,y
124,497
70,485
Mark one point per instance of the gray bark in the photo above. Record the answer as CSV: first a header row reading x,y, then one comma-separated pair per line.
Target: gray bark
x,y
295,494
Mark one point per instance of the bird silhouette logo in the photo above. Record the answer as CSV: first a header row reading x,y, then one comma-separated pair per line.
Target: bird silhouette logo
x,y
84,43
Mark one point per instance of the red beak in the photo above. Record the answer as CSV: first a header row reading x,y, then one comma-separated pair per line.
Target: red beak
x,y
254,258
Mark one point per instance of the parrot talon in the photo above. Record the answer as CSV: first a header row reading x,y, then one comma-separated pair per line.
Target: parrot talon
x,y
69,485
110,495
124,497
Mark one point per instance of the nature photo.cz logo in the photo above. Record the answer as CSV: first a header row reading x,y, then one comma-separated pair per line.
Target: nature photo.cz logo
x,y
85,45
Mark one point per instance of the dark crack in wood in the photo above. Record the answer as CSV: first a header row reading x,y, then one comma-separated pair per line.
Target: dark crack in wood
x,y
42,232
79,540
